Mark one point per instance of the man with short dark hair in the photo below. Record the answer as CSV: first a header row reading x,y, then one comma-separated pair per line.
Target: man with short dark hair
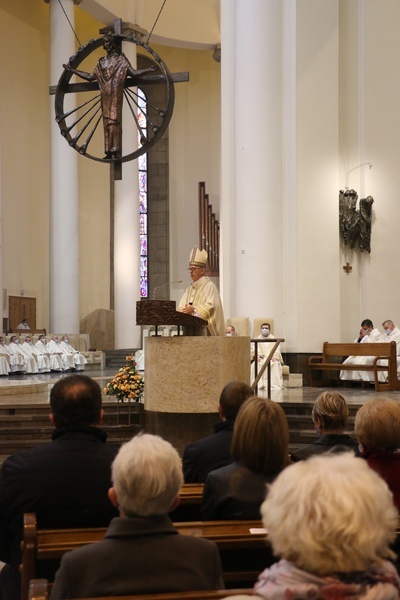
x,y
64,482
213,452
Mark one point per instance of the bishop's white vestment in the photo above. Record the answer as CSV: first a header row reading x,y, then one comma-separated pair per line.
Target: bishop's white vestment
x,y
203,294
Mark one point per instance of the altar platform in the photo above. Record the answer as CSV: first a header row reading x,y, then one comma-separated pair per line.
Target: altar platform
x,y
30,388
24,408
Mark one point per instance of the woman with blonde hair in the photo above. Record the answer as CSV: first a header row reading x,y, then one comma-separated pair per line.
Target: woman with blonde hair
x,y
330,415
377,429
259,451
331,520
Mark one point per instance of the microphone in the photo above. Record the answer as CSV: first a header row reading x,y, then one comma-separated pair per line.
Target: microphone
x,y
164,285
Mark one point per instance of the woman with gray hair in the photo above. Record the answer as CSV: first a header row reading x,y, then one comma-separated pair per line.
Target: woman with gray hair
x,y
142,552
331,519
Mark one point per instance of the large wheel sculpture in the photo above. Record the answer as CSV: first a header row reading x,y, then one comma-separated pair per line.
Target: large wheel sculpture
x,y
81,122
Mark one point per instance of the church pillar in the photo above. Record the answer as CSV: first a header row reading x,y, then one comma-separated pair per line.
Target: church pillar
x,y
126,244
252,201
64,225
1,238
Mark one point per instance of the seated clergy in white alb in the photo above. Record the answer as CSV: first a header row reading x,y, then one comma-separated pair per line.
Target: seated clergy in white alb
x,y
15,361
54,347
79,360
5,362
43,362
391,334
263,351
368,335
55,360
30,364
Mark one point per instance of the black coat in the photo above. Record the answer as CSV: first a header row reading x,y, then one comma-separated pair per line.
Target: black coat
x,y
139,555
326,442
64,482
208,454
234,492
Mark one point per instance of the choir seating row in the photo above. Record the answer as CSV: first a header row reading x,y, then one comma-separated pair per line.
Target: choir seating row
x,y
243,548
39,590
80,341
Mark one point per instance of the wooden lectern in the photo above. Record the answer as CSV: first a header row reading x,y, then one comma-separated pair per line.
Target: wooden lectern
x,y
163,312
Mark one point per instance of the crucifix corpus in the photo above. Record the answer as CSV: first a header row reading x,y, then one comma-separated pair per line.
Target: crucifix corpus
x,y
107,87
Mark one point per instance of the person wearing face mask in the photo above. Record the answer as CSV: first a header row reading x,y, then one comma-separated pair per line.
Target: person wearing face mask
x,y
391,334
276,361
15,362
79,360
54,347
230,331
30,364
368,334
56,363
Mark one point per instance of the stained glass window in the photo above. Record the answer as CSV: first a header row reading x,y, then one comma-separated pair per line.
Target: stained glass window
x,y
142,165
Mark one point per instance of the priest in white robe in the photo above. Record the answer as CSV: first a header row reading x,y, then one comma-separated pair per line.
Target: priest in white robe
x,y
54,347
43,362
202,299
15,361
391,333
263,351
5,358
368,334
79,360
55,360
30,364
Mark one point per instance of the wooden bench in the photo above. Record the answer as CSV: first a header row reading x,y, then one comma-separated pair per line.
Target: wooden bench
x,y
191,498
333,354
39,590
243,554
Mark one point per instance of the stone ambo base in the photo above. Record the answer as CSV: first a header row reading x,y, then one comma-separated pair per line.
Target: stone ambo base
x,y
184,379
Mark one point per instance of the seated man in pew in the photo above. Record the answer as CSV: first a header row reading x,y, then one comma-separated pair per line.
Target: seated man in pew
x,y
64,482
368,334
214,451
79,360
142,552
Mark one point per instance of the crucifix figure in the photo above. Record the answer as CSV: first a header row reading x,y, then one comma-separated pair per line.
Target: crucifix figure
x,y
110,73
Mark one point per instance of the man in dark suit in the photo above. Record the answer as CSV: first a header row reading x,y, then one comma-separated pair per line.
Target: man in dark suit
x,y
213,452
64,482
142,552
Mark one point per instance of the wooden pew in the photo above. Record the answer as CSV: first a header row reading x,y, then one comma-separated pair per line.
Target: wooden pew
x,y
189,508
39,590
331,352
243,554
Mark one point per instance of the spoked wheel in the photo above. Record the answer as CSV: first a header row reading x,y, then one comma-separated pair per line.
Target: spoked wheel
x,y
81,121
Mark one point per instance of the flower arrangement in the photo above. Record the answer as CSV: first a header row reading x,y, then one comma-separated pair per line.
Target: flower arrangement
x,y
127,383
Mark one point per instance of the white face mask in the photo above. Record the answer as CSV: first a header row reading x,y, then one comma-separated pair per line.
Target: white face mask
x,y
265,331
388,331
228,335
